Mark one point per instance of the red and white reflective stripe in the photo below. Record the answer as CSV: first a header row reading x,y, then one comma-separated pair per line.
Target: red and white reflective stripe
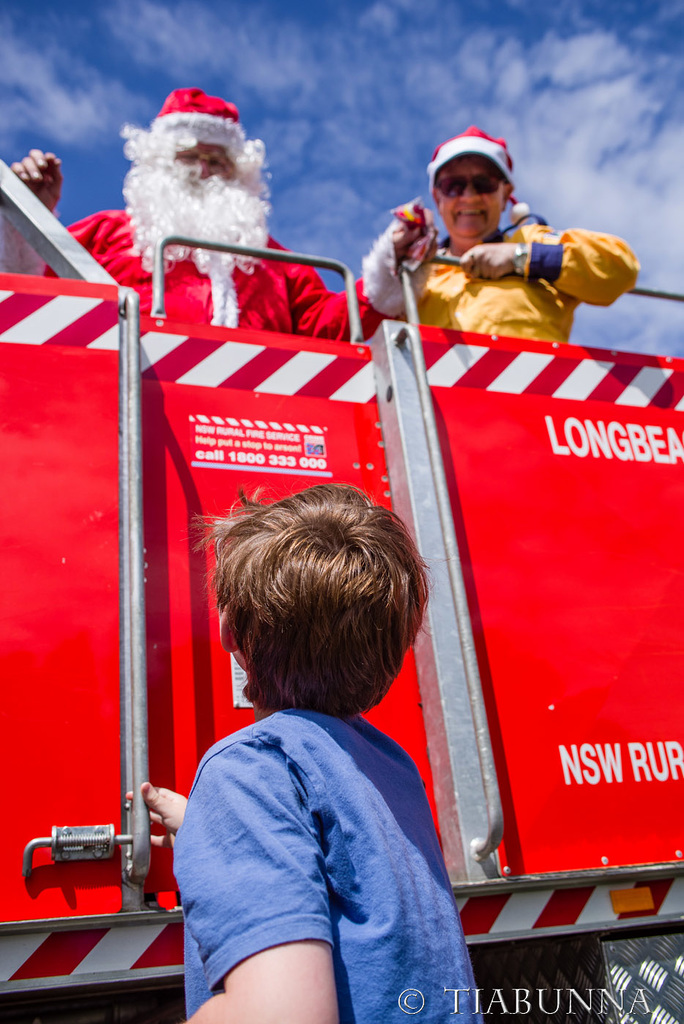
x,y
359,388
76,953
61,319
92,323
258,368
80,952
558,376
516,913
298,371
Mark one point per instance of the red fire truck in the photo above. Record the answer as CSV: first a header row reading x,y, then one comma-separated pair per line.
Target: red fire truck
x,y
542,704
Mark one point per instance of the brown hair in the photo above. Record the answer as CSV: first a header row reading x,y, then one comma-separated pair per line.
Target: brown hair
x,y
324,593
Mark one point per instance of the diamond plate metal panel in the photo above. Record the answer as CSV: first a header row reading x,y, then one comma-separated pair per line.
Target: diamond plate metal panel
x,y
556,974
588,979
646,977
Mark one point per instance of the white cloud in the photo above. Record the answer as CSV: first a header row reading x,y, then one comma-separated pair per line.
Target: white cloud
x,y
234,42
581,59
633,323
381,17
50,92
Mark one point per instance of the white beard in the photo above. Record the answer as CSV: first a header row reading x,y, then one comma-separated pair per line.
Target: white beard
x,y
168,198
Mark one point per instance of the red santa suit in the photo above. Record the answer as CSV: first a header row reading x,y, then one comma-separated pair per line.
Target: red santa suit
x,y
283,297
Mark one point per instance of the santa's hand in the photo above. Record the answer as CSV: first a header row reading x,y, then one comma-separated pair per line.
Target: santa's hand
x,y
42,172
167,808
490,260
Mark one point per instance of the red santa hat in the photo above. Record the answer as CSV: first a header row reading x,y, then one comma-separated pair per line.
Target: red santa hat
x,y
207,119
473,141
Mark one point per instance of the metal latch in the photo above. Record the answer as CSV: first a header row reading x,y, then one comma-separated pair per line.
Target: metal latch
x,y
83,842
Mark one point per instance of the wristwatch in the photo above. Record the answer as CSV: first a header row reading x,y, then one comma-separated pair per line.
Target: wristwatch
x,y
520,259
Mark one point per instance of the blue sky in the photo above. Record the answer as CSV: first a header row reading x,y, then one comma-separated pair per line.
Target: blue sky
x,y
352,98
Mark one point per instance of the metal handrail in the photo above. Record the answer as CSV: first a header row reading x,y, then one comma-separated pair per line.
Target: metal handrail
x,y
480,848
277,255
132,652
651,293
45,233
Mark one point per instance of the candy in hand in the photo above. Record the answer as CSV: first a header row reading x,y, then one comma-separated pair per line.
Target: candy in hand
x,y
412,213
414,216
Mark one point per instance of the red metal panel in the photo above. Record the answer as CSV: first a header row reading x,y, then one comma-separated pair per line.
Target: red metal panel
x,y
58,533
576,576
51,286
59,613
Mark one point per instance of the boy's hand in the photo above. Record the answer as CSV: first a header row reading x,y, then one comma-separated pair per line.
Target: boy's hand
x,y
167,808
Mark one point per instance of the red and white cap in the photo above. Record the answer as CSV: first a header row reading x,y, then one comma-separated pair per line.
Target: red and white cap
x,y
473,141
207,119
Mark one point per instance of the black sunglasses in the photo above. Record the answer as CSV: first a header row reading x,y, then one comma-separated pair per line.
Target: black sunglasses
x,y
451,186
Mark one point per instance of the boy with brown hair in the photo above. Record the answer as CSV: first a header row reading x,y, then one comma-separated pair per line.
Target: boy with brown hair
x,y
313,885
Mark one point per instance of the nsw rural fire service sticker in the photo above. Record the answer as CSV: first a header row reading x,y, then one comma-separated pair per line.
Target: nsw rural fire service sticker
x,y
222,442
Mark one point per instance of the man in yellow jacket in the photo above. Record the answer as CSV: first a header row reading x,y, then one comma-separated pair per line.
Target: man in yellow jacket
x,y
526,284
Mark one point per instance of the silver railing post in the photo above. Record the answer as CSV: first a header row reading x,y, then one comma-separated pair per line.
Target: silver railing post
x,y
133,658
481,847
277,255
461,759
410,304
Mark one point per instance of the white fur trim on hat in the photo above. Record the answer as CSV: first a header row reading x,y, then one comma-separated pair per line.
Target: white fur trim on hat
x,y
469,145
205,128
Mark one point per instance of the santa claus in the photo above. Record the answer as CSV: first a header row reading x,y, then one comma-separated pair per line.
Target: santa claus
x,y
194,173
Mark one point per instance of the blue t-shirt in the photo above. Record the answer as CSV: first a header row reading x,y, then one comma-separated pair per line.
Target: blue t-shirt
x,y
304,826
